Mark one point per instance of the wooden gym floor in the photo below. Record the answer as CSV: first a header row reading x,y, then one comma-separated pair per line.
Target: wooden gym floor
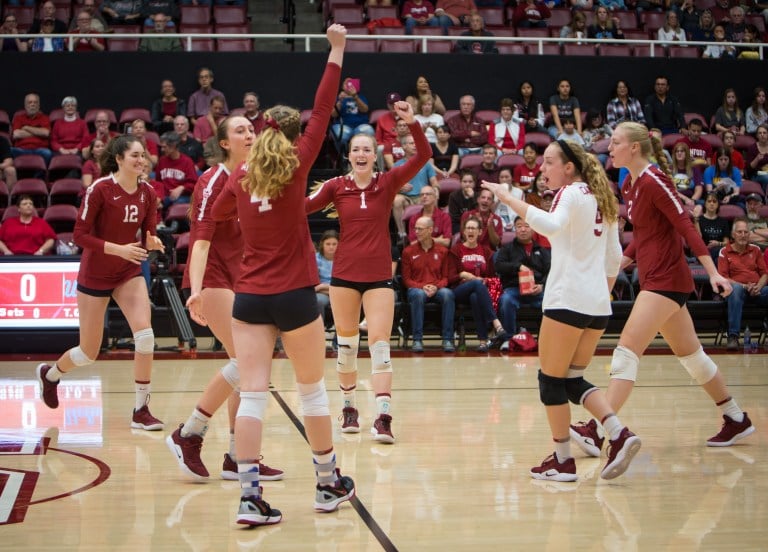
x,y
468,429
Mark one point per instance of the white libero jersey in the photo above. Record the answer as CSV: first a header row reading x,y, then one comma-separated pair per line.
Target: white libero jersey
x,y
585,250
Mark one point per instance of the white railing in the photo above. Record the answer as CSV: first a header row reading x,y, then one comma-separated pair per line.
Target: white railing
x,y
424,41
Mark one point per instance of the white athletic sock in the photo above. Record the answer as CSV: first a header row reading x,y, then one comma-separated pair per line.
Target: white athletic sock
x,y
383,403
54,374
232,445
613,427
142,393
732,410
563,450
196,424
349,396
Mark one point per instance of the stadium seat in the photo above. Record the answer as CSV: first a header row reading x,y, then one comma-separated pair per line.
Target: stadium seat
x,y
5,195
130,114
55,115
493,17
470,161
33,187
541,139
199,15
448,185
750,187
123,44
230,28
203,45
30,166
397,46
618,50
627,19
230,15
730,212
178,213
487,115
512,48
24,16
61,217
652,21
560,17
5,121
510,160
683,52
62,166
382,12
12,211
347,15
573,49
439,47
90,116
234,45
66,191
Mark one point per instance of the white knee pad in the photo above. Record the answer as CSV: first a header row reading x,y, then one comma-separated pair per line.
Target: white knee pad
x,y
314,398
699,366
144,341
346,361
230,373
624,364
381,364
79,358
253,404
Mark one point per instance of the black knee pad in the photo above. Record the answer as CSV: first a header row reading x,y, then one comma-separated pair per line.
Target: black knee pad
x,y
552,391
577,389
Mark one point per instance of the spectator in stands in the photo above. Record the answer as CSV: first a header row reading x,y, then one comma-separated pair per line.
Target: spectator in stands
x,y
410,192
701,150
454,13
687,177
326,250
714,229
605,26
729,143
6,163
492,226
206,125
69,132
422,88
167,107
596,136
470,265
531,13
350,113
719,51
671,32
48,11
757,224
743,264
476,30
721,11
467,130
122,12
705,30
757,157
91,170
26,234
253,111
569,132
441,221
101,131
736,26
425,275
756,113
187,144
729,115
445,154
462,200
577,27
385,126
564,105
175,171
520,252
529,109
11,27
98,24
535,195
84,28
393,150
200,101
751,41
507,132
584,5
31,130
160,39
430,121
502,210
688,15
168,8
664,111
487,169
524,174
418,13
624,106
138,129
45,43
724,178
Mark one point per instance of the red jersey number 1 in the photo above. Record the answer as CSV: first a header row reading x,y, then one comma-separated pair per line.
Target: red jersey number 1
x,y
265,204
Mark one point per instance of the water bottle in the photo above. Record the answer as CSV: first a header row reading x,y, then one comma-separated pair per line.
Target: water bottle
x,y
747,341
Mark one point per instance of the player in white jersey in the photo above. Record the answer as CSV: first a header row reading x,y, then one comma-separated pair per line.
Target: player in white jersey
x,y
583,230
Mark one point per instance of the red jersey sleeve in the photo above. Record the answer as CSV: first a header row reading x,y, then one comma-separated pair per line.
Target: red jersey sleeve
x,y
669,206
321,198
150,220
314,134
89,210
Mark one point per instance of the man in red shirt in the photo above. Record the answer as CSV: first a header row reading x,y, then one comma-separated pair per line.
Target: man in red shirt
x,y
102,132
31,129
175,171
701,150
441,221
425,274
86,43
385,126
468,132
493,226
744,266
26,234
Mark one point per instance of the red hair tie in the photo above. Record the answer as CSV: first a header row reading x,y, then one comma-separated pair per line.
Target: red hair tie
x,y
273,124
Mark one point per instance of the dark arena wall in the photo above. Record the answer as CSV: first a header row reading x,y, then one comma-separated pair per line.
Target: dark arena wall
x,y
119,80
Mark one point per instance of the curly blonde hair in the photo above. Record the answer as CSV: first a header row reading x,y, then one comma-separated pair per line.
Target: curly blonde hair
x,y
594,176
649,146
273,160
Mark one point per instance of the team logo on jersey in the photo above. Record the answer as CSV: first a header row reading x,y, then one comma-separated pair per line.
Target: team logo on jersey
x,y
141,198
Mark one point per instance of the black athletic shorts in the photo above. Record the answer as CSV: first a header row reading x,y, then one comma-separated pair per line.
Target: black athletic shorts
x,y
287,311
577,319
95,292
679,297
361,287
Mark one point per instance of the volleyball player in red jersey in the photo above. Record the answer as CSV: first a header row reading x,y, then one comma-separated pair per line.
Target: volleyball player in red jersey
x,y
659,220
362,268
275,291
211,272
114,209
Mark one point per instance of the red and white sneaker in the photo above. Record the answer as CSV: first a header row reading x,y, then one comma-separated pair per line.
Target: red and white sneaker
x,y
186,450
621,451
48,389
229,470
349,423
587,437
143,419
552,470
731,432
382,429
